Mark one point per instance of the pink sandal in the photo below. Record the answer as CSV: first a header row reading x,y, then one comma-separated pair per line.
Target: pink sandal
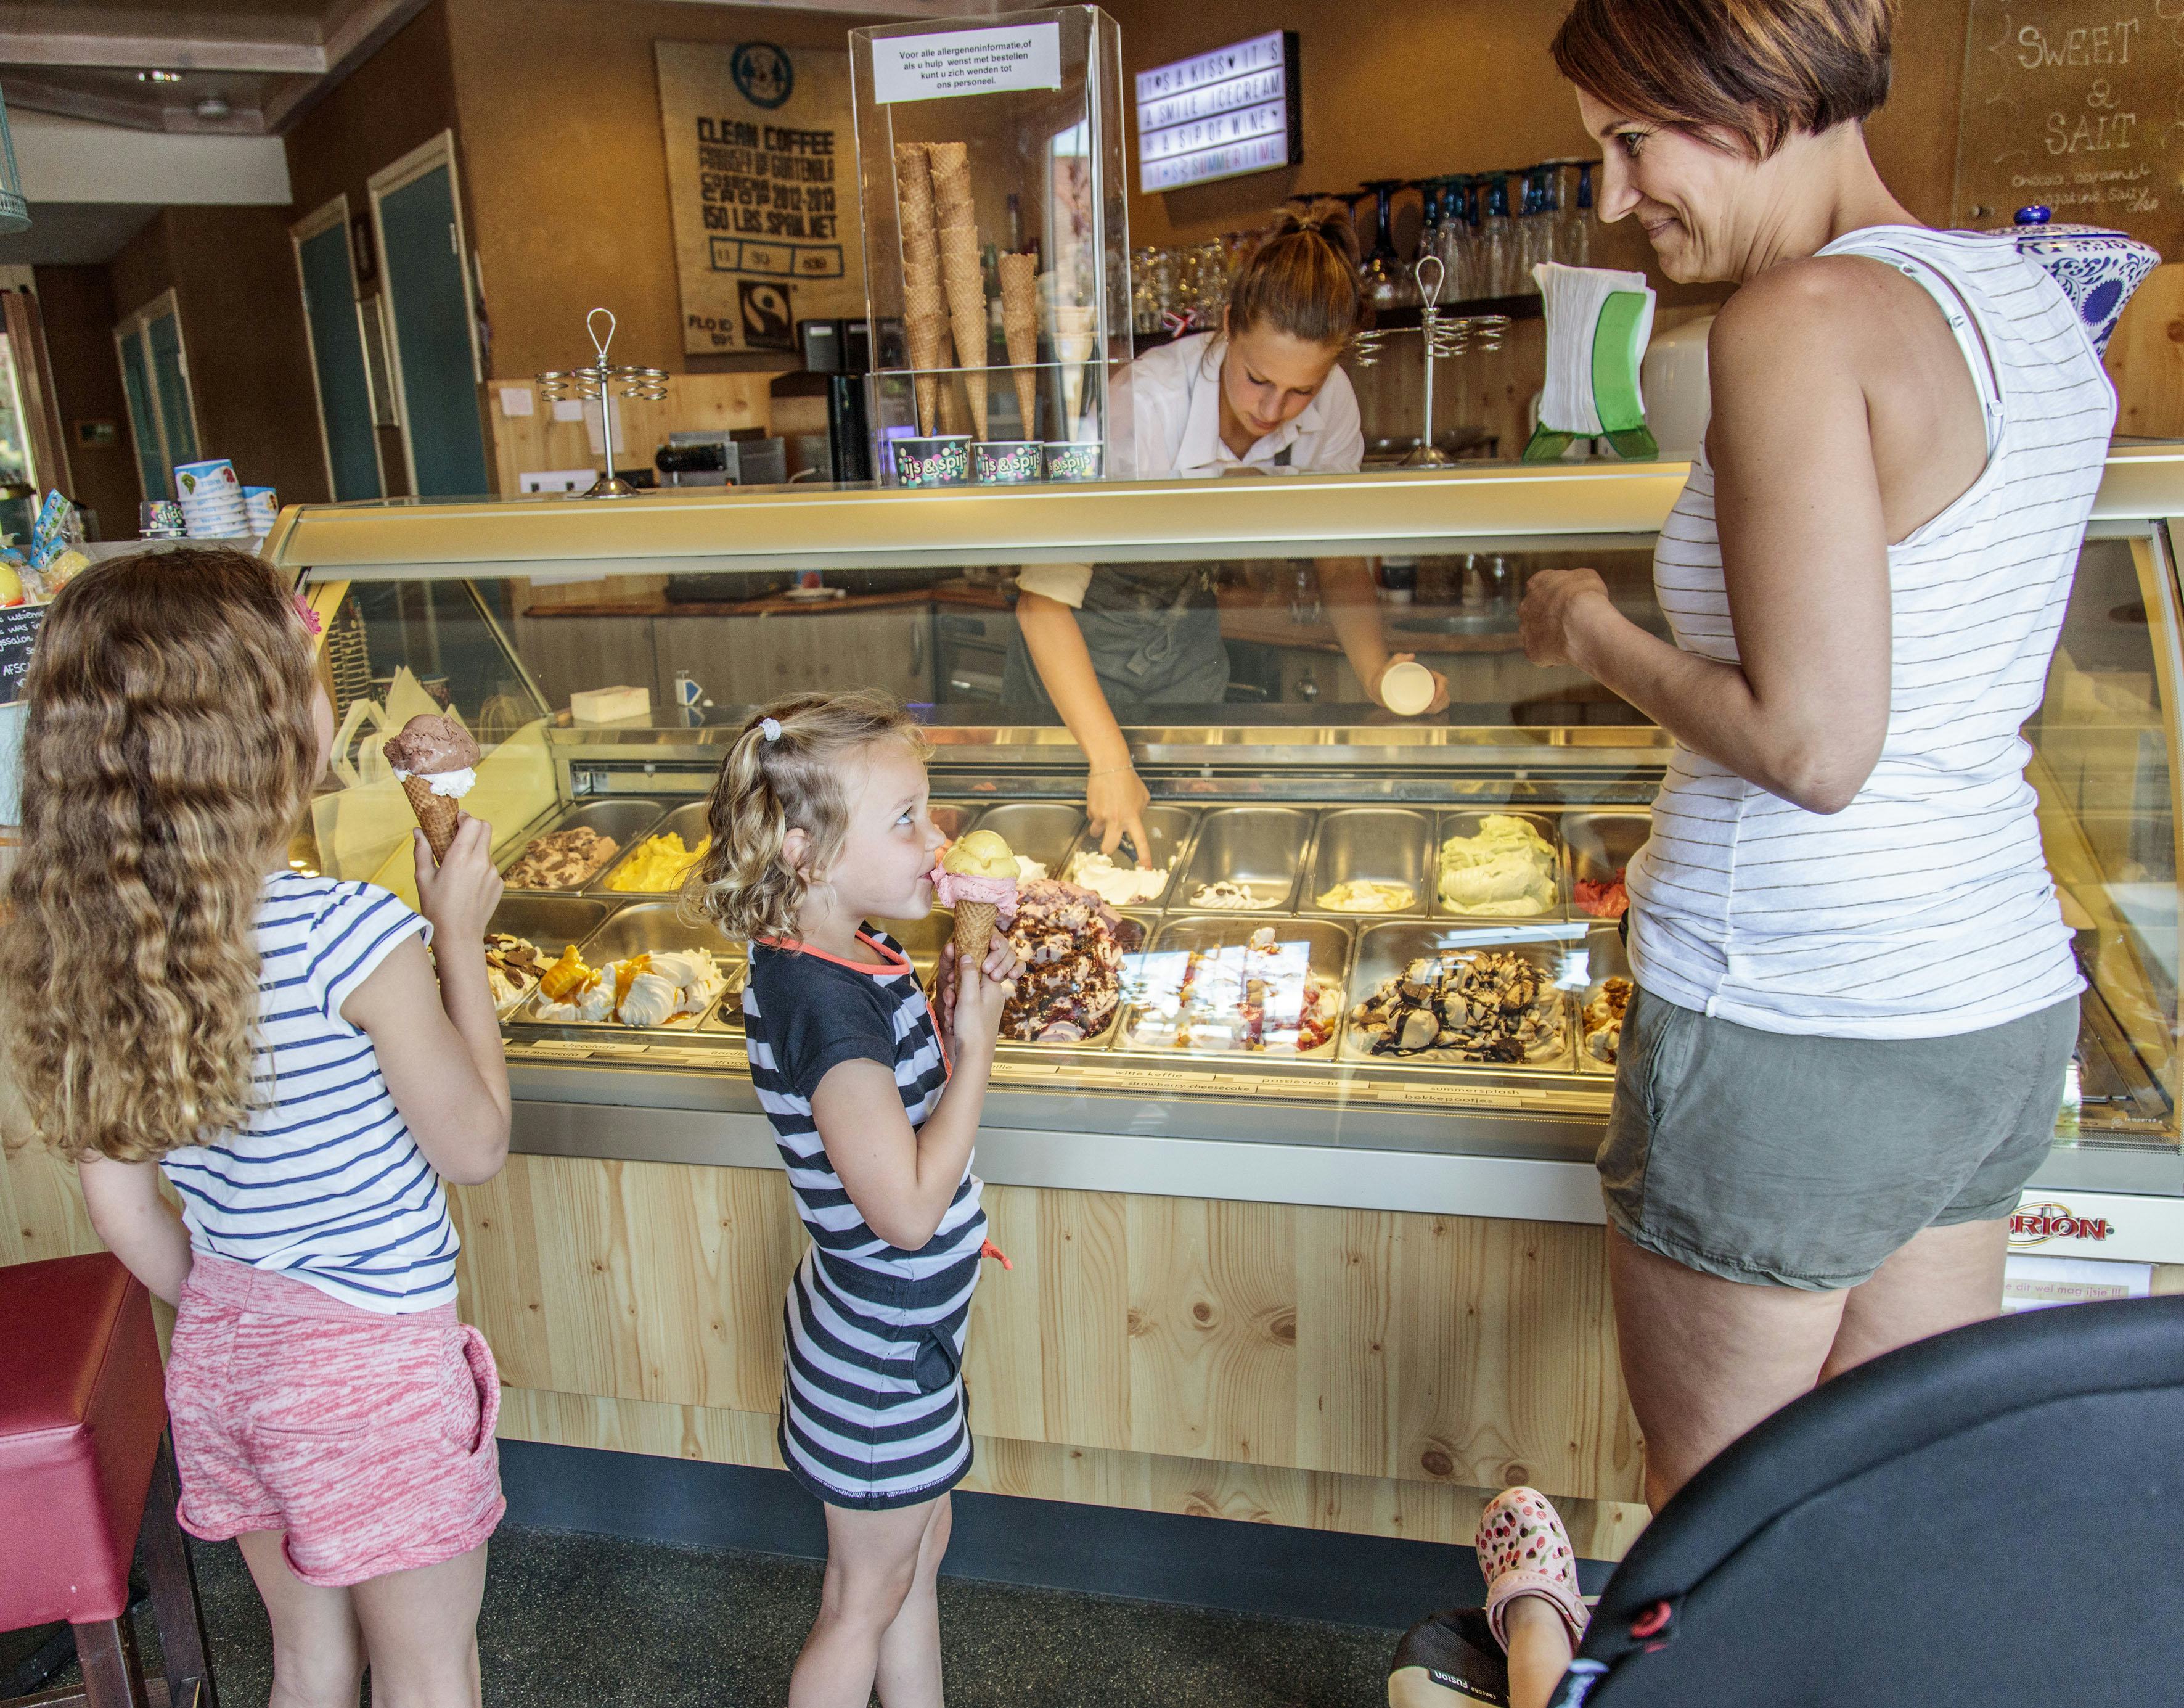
x,y
1523,1550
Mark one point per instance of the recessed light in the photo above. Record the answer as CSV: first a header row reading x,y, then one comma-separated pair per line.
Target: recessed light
x,y
159,76
212,107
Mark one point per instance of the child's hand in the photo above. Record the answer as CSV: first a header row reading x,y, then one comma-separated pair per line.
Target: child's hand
x,y
459,894
976,1001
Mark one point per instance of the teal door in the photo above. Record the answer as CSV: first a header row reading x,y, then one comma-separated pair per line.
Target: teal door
x,y
424,272
171,384
337,349
143,427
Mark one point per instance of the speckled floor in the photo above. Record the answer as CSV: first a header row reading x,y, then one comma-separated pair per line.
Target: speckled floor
x,y
587,1622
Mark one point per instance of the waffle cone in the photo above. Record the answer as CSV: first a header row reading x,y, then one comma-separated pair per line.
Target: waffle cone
x,y
967,311
437,815
1020,327
974,930
928,337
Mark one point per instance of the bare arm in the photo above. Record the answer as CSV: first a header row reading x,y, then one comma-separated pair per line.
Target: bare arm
x,y
1115,799
136,1223
438,1040
903,1179
1804,545
1351,600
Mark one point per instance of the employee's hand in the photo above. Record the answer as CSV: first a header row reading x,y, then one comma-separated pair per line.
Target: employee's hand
x,y
1555,600
1372,688
1115,801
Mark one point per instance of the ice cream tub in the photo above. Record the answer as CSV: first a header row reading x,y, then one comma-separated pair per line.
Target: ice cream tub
x,y
206,477
686,821
1599,847
549,924
1168,829
1075,462
1512,867
624,822
1255,849
923,462
1221,985
1041,830
648,928
1366,857
1007,462
1605,958
1406,969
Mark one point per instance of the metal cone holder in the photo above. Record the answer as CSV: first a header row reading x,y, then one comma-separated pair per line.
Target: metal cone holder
x,y
1443,336
604,385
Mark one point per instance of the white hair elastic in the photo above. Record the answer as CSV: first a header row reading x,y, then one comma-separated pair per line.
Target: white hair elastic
x,y
770,729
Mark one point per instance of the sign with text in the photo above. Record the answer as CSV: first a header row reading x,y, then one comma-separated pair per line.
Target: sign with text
x,y
966,62
18,634
2077,106
762,177
1221,114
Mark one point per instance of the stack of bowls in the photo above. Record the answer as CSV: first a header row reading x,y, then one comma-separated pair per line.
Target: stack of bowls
x,y
211,499
261,507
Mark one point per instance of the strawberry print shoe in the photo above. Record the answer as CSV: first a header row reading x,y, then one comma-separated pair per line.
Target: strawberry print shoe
x,y
1523,1550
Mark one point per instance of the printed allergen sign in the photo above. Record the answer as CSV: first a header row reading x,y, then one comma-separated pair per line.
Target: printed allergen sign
x,y
2076,106
762,170
936,65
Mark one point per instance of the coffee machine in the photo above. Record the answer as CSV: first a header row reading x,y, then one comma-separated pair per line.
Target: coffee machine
x,y
842,350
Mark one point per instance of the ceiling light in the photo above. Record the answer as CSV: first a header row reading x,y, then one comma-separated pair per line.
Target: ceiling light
x,y
159,76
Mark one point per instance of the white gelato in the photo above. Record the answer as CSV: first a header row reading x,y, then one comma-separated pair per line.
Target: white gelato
x,y
1223,893
1030,871
668,987
1118,886
455,785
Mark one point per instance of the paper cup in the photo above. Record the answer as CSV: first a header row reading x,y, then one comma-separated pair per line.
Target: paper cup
x,y
1007,462
944,461
211,475
1408,688
1075,461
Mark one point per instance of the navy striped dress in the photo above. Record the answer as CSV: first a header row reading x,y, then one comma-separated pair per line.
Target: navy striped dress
x,y
873,1407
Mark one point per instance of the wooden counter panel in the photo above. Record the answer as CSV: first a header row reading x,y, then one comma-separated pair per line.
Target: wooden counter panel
x,y
1437,1349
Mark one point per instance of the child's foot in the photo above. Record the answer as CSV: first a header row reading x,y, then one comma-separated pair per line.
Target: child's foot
x,y
1523,1550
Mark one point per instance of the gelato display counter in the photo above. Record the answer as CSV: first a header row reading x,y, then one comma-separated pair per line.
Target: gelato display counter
x,y
1289,1142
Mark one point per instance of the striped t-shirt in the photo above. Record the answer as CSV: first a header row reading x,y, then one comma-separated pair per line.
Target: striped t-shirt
x,y
325,1183
1925,908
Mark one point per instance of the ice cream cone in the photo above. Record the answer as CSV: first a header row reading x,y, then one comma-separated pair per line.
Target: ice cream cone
x,y
1020,327
928,337
1075,330
964,277
974,930
437,815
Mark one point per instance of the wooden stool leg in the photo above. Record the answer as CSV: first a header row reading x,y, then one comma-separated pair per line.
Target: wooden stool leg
x,y
176,1611
113,1677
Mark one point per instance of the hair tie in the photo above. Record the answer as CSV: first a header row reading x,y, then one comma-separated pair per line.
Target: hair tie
x,y
770,729
305,614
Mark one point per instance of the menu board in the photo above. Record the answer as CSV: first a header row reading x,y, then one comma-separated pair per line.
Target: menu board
x,y
762,186
2076,106
18,634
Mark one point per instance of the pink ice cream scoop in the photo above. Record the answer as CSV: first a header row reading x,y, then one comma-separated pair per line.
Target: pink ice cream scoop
x,y
953,889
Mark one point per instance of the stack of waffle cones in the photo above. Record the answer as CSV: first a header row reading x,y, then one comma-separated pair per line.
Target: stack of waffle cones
x,y
924,305
1075,331
960,269
1020,326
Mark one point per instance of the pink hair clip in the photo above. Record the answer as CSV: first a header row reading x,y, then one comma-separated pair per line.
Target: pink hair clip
x,y
306,615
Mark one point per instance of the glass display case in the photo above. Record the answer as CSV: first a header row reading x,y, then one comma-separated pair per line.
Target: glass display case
x,y
1355,934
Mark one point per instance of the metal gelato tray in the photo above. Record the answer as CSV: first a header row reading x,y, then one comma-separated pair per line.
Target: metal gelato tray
x,y
1381,845
1044,831
624,821
1210,951
1168,829
549,922
647,928
1600,845
1605,958
686,821
1467,824
1386,952
1261,848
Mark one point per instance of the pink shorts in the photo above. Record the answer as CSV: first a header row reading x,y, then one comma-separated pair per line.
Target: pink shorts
x,y
366,1439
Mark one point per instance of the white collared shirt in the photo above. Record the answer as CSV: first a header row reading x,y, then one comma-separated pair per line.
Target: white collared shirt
x,y
1169,406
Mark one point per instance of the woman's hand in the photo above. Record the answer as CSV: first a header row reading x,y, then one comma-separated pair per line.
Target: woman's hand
x,y
459,894
975,1003
1114,802
1555,601
1374,689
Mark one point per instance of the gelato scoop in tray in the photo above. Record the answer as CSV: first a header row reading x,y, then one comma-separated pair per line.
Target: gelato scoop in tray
x,y
1506,870
512,967
1474,1005
665,988
1072,944
1259,993
1603,1019
562,860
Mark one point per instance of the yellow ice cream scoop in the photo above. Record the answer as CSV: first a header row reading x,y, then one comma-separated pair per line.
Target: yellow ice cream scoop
x,y
981,854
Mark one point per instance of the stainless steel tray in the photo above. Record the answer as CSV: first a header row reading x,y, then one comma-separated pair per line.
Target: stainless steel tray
x,y
642,928
549,921
626,821
1387,845
686,821
1383,951
1160,969
1599,845
1453,824
953,818
1044,830
1260,847
1605,958
1169,829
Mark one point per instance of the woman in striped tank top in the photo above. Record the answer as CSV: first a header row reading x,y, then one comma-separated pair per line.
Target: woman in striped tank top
x,y
819,825
1857,999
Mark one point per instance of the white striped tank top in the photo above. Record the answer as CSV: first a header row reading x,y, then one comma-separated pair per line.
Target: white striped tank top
x,y
1925,908
325,1183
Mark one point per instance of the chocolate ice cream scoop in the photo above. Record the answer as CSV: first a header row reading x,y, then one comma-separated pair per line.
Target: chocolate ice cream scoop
x,y
430,744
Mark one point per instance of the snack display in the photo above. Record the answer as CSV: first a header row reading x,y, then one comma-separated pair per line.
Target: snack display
x,y
1118,886
512,967
1368,895
1223,895
667,988
978,878
659,863
1602,898
562,860
1506,870
1072,946
436,760
1478,1005
1603,1019
1257,995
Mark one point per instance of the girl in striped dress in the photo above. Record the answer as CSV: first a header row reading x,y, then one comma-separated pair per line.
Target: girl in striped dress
x,y
819,823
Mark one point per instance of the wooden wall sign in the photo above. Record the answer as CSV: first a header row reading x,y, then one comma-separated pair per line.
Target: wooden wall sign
x,y
2077,106
762,183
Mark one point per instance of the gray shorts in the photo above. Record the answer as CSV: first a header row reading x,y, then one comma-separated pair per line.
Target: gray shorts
x,y
1805,1162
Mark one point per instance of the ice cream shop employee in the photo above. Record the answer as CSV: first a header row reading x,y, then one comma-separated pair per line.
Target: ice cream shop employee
x,y
1264,394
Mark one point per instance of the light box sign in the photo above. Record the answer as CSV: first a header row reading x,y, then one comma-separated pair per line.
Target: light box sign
x,y
1221,114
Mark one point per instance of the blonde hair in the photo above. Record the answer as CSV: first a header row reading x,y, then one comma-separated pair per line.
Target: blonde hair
x,y
771,785
1300,277
168,754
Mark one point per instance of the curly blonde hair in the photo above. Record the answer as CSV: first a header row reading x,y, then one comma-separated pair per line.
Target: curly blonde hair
x,y
168,754
769,786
